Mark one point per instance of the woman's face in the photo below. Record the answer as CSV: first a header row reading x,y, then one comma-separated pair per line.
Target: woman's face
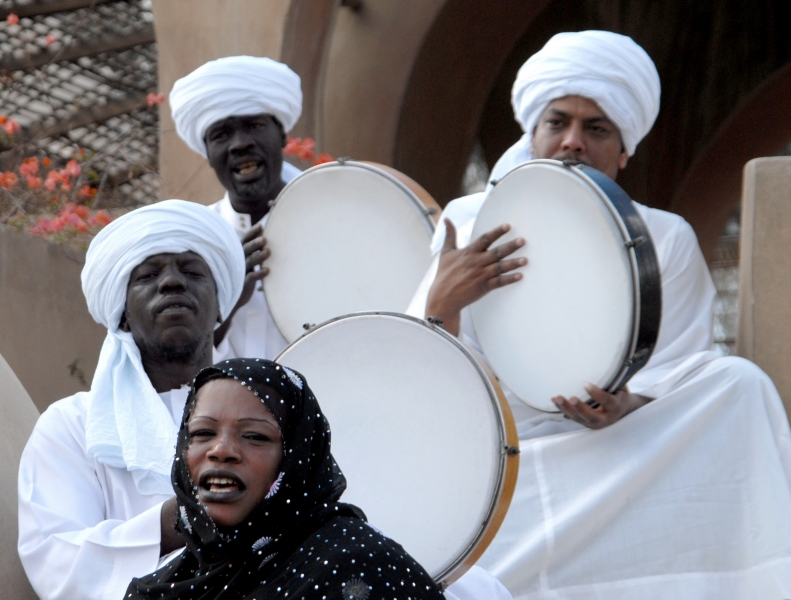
x,y
234,451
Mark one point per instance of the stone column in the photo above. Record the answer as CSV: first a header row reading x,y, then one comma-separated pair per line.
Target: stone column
x,y
764,329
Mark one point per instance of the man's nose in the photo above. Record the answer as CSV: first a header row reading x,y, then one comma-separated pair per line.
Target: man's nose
x,y
573,140
240,141
171,278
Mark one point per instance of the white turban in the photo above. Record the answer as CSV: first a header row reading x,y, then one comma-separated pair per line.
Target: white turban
x,y
233,86
608,68
128,425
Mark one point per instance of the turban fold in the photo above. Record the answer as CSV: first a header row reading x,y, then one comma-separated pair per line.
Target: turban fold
x,y
128,425
608,68
233,86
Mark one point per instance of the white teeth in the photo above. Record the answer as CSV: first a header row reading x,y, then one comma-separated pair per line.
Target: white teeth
x,y
220,481
247,168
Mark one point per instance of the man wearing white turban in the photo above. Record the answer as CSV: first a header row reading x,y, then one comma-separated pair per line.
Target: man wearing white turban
x,y
662,490
236,112
96,505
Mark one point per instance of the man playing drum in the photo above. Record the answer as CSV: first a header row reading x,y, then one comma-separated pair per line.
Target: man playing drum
x,y
674,500
236,112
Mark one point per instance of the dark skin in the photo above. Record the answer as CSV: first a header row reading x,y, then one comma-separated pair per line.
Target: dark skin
x,y
171,311
246,153
570,128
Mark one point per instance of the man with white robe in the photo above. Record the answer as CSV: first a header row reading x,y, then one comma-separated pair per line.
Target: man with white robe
x,y
685,489
96,506
236,112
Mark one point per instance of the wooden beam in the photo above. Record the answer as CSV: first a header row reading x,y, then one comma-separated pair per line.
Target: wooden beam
x,y
145,35
34,9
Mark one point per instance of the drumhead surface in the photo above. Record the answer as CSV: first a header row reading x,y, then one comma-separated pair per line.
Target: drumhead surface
x,y
570,319
416,429
344,238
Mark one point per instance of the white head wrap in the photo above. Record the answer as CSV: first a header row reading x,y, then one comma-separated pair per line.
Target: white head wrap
x,y
233,86
128,425
608,68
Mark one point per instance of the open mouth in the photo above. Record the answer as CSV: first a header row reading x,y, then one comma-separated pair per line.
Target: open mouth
x,y
247,168
222,485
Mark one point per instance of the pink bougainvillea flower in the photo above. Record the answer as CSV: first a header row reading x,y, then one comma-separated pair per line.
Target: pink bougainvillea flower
x,y
73,168
46,161
292,146
50,39
103,218
154,99
8,179
323,158
3,119
29,166
33,182
11,127
12,19
87,191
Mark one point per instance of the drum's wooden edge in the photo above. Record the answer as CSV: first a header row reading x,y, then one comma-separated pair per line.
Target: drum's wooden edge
x,y
508,482
425,198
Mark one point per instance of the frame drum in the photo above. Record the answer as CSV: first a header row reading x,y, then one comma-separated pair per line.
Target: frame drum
x,y
589,306
424,436
345,236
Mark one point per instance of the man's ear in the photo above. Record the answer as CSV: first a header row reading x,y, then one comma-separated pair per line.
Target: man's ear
x,y
622,160
124,324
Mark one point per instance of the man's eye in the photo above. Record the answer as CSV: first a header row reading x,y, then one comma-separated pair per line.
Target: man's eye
x,y
201,433
257,437
145,276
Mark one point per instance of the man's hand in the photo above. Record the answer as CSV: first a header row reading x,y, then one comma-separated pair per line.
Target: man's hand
x,y
611,407
465,275
255,253
170,539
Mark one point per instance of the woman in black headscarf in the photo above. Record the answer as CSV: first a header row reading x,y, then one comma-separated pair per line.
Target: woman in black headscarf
x,y
257,492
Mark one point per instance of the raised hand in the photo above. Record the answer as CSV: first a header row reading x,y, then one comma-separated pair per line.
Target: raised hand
x,y
609,408
466,274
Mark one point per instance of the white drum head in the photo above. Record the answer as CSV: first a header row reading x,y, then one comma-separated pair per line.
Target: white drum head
x,y
344,238
570,319
417,430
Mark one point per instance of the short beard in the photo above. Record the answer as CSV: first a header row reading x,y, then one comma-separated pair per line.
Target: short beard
x,y
184,353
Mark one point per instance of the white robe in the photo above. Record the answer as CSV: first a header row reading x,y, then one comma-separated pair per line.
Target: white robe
x,y
687,497
84,529
253,333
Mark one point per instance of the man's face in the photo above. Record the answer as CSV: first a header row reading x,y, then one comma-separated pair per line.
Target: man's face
x,y
171,307
575,128
246,153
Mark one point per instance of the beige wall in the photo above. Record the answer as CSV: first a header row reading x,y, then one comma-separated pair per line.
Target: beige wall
x,y
19,417
44,322
764,330
369,61
190,33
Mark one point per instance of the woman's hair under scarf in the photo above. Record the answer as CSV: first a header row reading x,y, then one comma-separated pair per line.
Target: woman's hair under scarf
x,y
128,426
609,68
233,86
303,497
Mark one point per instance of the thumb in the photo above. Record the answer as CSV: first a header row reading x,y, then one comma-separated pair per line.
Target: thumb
x,y
450,236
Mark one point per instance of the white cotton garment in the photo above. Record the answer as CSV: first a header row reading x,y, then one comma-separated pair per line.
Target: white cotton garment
x,y
127,425
253,332
606,67
84,528
233,86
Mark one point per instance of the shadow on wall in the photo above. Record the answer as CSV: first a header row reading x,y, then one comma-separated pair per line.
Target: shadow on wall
x,y
46,334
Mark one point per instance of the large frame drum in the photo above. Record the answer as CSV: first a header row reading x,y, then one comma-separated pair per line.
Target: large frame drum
x,y
345,236
589,305
423,434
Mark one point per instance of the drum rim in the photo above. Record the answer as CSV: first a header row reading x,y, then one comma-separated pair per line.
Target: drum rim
x,y
507,465
645,272
416,201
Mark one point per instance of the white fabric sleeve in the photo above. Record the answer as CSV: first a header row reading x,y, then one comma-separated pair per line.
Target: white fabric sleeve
x,y
688,296
477,584
68,547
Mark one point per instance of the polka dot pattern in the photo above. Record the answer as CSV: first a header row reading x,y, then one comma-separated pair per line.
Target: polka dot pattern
x,y
299,542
